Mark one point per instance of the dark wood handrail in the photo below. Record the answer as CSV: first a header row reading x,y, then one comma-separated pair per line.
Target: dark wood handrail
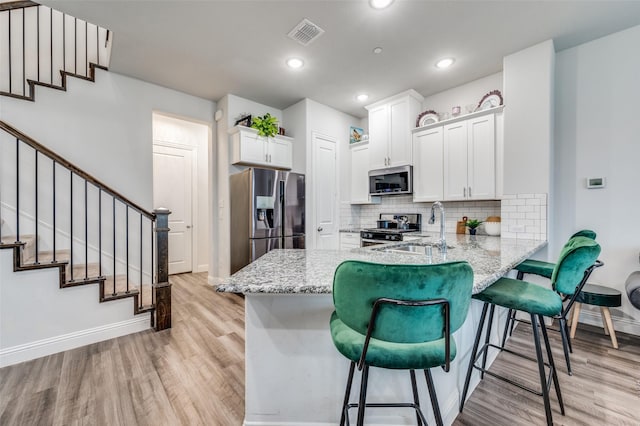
x,y
58,159
17,5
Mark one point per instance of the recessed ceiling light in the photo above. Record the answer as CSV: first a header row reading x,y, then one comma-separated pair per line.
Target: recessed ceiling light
x,y
295,63
377,50
380,4
445,63
362,97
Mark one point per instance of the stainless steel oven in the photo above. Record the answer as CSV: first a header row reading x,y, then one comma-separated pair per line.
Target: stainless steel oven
x,y
396,226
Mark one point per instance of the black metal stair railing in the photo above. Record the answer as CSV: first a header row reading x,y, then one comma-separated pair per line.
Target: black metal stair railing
x,y
33,36
83,204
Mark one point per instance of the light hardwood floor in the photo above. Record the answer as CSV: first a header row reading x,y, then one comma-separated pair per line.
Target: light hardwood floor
x,y
193,374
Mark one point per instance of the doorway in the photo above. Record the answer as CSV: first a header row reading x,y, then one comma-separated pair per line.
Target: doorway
x,y
324,191
180,184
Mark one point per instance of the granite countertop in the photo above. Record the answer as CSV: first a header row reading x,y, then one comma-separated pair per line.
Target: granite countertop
x,y
311,271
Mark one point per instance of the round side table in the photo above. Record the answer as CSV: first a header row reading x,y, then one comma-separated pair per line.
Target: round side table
x,y
597,295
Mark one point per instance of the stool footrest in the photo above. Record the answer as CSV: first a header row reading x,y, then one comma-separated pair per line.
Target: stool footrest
x,y
506,379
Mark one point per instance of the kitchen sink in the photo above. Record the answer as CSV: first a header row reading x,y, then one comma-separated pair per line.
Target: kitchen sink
x,y
412,248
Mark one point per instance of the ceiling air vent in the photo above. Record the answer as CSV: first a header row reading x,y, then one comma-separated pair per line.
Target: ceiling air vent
x,y
305,32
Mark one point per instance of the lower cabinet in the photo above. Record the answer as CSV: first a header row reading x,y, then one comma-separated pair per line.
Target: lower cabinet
x,y
349,240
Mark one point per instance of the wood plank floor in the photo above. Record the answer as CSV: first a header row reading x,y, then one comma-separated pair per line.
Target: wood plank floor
x,y
193,374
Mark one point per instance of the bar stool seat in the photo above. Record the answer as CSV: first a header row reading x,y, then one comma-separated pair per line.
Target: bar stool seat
x,y
598,295
536,267
522,296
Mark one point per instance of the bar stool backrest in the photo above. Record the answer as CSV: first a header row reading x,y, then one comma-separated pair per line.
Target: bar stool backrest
x,y
578,255
357,285
585,233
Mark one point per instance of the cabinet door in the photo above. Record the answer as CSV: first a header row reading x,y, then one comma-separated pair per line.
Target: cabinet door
x,y
251,149
428,165
378,137
400,134
360,174
455,161
481,167
349,240
280,153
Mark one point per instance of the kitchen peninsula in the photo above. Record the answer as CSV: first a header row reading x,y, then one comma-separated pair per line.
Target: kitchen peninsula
x,y
294,375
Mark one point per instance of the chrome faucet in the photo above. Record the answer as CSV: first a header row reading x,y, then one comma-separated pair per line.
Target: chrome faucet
x,y
442,242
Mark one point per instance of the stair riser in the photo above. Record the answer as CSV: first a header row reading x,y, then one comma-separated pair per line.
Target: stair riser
x,y
45,50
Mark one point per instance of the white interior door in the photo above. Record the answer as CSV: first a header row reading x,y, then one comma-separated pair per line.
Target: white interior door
x,y
172,183
325,192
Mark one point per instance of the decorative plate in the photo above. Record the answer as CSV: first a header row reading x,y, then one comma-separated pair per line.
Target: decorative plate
x,y
490,100
427,117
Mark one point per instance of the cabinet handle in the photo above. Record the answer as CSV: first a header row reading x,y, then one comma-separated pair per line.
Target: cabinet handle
x,y
464,192
266,158
269,157
469,192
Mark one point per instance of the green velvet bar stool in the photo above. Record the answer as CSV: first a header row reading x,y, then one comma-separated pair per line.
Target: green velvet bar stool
x,y
545,269
398,317
576,258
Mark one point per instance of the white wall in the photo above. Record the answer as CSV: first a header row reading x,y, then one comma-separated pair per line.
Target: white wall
x,y
232,108
170,131
596,134
468,94
105,128
528,119
296,118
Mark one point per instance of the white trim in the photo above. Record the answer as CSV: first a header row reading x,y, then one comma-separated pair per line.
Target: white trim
x,y
64,342
625,325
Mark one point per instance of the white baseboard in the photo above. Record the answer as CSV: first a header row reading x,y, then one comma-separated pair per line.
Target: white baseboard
x,y
52,345
625,325
213,280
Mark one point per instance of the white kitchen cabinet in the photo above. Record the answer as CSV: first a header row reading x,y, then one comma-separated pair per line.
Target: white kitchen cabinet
x,y
250,149
360,175
349,240
390,123
428,182
469,159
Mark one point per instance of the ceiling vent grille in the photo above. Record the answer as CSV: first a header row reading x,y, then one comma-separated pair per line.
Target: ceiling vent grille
x,y
305,32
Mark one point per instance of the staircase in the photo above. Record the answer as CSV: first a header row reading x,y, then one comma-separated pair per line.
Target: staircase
x,y
54,215
40,46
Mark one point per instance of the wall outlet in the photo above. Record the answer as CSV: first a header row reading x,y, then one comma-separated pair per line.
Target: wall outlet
x,y
517,228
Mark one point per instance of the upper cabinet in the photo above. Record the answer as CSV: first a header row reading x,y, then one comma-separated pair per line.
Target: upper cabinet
x,y
390,123
360,175
460,159
469,159
252,150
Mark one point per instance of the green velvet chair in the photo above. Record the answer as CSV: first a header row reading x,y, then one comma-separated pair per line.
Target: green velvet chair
x,y
545,269
398,317
576,259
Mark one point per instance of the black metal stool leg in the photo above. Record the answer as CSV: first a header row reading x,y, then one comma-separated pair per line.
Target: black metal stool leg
x,y
487,338
347,393
474,352
543,378
434,397
363,395
416,399
563,319
565,343
506,327
554,375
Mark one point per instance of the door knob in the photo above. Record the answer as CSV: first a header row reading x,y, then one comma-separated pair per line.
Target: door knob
x,y
319,228
188,226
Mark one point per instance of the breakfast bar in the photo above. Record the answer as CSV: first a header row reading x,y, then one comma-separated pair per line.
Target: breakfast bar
x,y
293,373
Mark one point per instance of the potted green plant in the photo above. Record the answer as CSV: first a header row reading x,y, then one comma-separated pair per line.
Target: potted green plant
x,y
267,125
473,225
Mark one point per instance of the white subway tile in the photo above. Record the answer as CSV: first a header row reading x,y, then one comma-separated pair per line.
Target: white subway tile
x,y
525,196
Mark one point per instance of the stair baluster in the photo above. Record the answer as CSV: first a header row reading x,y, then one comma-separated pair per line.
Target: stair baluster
x,y
157,301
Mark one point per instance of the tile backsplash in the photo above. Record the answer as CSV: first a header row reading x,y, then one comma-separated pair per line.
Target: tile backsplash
x,y
365,216
523,215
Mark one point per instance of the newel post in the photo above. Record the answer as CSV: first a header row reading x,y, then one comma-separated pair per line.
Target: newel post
x,y
162,288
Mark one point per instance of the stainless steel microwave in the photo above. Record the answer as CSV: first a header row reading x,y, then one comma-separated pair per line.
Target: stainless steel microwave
x,y
391,181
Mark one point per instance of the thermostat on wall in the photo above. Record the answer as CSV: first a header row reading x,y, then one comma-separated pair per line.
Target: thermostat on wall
x,y
598,182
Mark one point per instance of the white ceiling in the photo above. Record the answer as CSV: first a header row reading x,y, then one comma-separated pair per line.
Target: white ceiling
x,y
211,48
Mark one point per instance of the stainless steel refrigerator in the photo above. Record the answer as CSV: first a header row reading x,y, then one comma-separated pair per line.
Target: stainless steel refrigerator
x,y
267,212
